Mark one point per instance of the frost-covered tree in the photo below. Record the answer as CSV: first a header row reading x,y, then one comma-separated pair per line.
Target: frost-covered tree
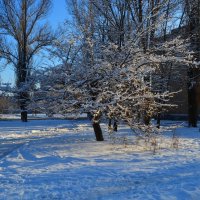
x,y
118,84
23,35
118,58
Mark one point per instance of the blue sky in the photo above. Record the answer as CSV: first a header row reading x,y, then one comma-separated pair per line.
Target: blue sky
x,y
58,12
57,15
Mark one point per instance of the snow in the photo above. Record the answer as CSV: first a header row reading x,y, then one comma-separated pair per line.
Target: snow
x,y
60,159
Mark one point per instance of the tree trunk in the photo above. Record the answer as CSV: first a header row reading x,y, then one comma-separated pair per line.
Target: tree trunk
x,y
115,126
192,106
193,12
147,119
96,125
109,123
24,116
23,106
158,121
98,131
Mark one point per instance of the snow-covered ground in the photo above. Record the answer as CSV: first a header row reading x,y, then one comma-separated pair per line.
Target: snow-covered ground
x,y
60,159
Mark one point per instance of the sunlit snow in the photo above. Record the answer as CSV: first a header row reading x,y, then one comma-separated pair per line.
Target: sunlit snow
x,y
60,159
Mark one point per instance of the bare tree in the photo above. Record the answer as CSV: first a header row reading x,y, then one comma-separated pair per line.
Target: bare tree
x,y
23,35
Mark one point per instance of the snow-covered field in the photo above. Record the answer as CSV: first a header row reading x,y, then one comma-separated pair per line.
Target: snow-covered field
x,y
60,159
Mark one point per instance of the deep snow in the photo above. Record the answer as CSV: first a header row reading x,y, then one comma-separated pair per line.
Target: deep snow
x,y
60,159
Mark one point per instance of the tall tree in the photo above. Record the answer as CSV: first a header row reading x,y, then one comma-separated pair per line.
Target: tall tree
x,y
120,58
23,36
193,23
